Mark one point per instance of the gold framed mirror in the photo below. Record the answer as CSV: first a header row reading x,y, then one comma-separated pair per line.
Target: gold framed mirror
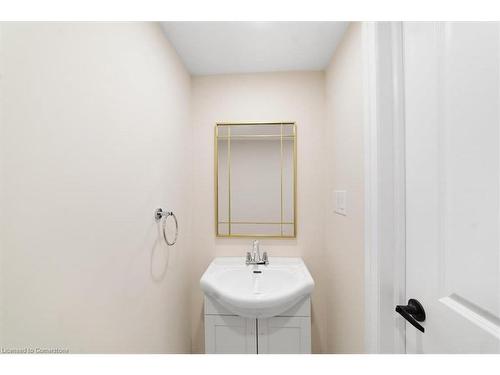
x,y
256,179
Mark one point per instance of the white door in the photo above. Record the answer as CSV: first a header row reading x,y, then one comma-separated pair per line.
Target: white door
x,y
230,334
452,106
284,335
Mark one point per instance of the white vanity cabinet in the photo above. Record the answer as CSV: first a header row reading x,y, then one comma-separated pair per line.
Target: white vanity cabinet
x,y
284,335
287,333
230,334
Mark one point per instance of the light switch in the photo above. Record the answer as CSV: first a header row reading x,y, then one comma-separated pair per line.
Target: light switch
x,y
340,202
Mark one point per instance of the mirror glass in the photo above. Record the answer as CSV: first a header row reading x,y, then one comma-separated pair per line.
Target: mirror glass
x,y
255,179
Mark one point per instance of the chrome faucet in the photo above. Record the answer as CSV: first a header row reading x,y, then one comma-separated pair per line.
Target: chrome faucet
x,y
255,250
254,257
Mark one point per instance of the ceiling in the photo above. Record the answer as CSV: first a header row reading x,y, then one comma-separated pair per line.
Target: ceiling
x,y
250,47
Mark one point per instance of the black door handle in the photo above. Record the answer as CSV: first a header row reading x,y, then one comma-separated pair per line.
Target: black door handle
x,y
413,313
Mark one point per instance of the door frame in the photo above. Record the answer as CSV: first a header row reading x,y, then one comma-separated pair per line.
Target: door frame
x,y
384,142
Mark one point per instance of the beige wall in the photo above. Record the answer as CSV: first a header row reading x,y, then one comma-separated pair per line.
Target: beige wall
x,y
260,97
95,134
344,254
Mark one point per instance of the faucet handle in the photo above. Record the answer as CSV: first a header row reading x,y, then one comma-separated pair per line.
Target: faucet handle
x,y
248,258
265,258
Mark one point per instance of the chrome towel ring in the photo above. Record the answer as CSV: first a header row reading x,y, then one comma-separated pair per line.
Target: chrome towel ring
x,y
159,214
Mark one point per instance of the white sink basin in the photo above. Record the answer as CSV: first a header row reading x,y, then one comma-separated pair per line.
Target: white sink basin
x,y
245,291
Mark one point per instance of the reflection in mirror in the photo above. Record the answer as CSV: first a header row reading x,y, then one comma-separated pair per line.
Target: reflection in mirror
x,y
255,166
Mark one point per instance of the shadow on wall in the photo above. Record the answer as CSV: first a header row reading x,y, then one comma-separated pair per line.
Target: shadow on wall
x,y
160,256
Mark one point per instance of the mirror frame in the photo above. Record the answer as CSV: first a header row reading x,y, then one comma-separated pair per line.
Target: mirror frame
x,y
216,180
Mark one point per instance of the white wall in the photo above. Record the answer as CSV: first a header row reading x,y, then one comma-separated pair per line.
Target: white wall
x,y
95,134
260,97
344,169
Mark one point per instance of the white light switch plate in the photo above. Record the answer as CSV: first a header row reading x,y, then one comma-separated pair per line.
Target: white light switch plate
x,y
340,202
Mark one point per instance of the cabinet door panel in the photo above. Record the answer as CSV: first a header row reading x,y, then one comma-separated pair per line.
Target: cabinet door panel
x,y
230,335
284,335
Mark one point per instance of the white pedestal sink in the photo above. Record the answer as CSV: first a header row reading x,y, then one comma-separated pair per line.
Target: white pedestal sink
x,y
257,291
